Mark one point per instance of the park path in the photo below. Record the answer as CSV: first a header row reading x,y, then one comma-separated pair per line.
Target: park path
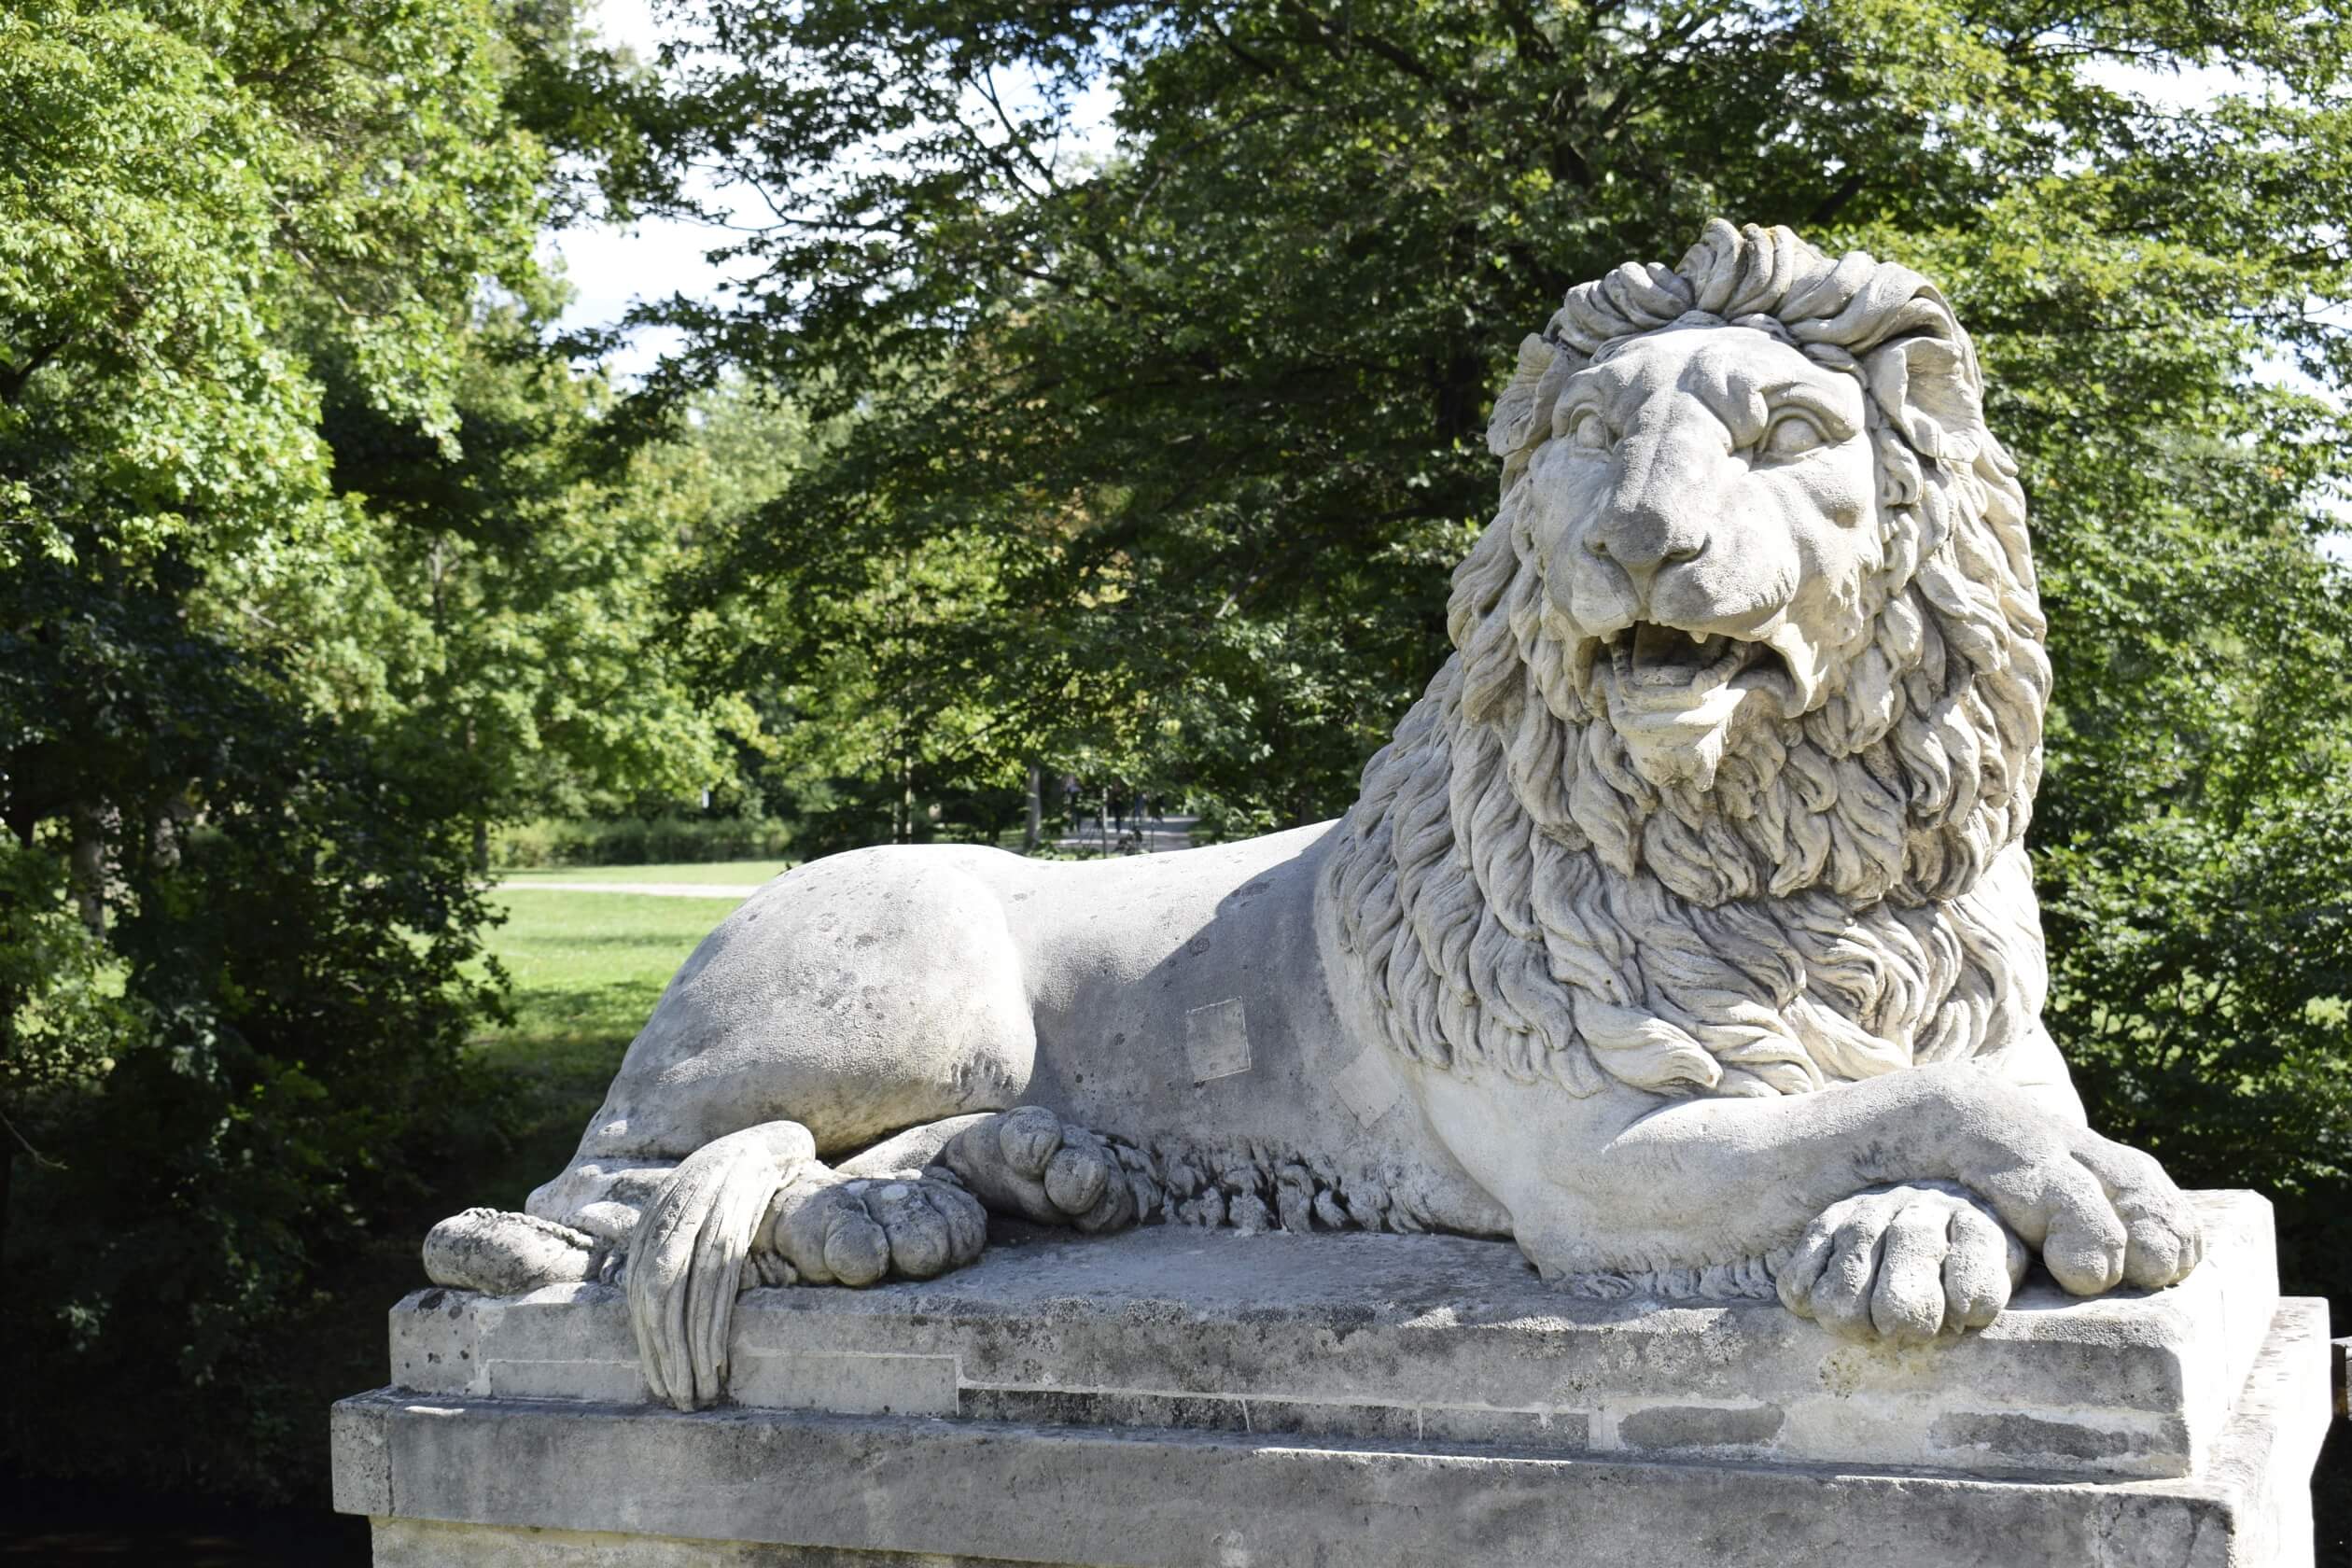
x,y
1158,836
736,891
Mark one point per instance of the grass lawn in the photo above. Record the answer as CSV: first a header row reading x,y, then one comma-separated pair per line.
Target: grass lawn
x,y
745,873
587,970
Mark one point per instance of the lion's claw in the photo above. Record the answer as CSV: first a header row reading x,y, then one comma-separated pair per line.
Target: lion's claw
x,y
1904,1264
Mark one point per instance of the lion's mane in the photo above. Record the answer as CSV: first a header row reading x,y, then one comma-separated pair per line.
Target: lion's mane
x,y
1850,896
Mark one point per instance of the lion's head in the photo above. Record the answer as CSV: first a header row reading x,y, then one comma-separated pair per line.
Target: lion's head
x,y
1724,787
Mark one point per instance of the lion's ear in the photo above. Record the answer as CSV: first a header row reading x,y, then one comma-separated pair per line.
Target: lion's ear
x,y
1927,386
1522,414
1517,408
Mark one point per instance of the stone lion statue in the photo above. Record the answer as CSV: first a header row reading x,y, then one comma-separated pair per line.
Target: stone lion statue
x,y
1684,934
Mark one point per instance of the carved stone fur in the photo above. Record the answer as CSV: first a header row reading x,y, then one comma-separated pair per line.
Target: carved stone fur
x,y
1847,897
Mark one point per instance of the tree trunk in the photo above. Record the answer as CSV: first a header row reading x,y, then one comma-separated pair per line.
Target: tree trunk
x,y
11,999
87,867
481,824
7,1174
1034,833
903,829
7,1169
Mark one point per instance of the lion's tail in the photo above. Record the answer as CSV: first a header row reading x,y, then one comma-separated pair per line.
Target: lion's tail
x,y
686,1257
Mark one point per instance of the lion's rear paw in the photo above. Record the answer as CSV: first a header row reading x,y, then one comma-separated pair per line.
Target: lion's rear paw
x,y
1904,1264
856,1231
1030,1162
503,1253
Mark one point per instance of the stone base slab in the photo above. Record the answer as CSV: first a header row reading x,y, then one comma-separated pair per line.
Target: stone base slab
x,y
1174,1398
524,1483
1427,1340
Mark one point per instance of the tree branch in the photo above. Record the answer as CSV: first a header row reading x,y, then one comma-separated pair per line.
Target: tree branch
x,y
12,379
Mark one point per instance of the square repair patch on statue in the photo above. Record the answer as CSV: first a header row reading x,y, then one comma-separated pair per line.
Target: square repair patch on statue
x,y
1217,1040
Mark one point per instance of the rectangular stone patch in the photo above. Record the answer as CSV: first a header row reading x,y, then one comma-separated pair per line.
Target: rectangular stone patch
x,y
615,1382
1368,1085
2030,1439
1569,1430
1216,1040
1699,1426
1087,1407
864,1385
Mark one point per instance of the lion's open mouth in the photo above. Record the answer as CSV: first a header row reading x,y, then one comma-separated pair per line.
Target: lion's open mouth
x,y
1659,658
1656,667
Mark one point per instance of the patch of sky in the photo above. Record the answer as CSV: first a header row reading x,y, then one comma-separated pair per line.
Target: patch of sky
x,y
612,267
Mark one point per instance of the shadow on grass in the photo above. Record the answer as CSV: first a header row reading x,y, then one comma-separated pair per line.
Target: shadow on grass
x,y
621,939
569,1032
561,1052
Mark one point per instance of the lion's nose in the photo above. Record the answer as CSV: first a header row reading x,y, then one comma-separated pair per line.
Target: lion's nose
x,y
1644,543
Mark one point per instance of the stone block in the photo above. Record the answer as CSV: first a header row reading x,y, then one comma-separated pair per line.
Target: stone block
x,y
532,1483
857,1383
1424,1338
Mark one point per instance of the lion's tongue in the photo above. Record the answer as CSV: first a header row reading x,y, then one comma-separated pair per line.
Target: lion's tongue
x,y
1664,656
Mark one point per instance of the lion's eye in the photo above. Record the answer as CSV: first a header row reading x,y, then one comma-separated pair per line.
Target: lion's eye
x,y
1792,435
1589,430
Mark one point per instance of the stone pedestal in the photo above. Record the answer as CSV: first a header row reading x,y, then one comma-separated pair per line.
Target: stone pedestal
x,y
1178,1398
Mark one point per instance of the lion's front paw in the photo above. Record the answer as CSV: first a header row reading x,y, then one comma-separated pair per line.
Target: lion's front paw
x,y
1030,1162
1904,1264
2162,1240
2100,1213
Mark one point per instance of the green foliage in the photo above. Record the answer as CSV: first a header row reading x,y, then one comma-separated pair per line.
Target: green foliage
x,y
276,1063
1200,418
2194,850
237,930
499,620
631,841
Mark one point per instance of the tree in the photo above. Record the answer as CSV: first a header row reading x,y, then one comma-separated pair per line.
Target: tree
x,y
1213,397
881,687
236,926
499,619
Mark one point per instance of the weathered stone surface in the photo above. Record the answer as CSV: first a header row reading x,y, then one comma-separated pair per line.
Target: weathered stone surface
x,y
1684,935
426,1543
1424,1338
473,1481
